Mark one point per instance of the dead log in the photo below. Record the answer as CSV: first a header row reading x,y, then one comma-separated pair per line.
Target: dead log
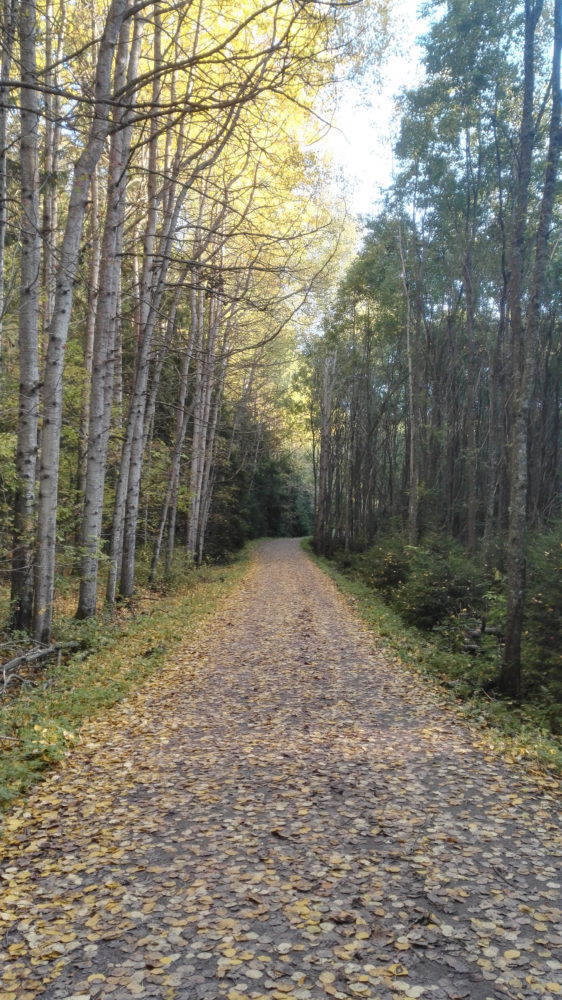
x,y
35,655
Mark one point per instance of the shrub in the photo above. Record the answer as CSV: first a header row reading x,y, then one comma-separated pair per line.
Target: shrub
x,y
442,581
542,648
347,561
386,564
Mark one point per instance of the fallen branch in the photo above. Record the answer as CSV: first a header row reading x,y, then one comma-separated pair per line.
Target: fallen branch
x,y
34,656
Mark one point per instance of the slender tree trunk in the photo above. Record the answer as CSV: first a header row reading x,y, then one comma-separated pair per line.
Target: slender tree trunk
x,y
26,453
199,429
494,523
93,291
138,407
322,533
8,31
132,444
413,429
471,451
53,56
525,372
208,467
106,320
208,476
59,326
158,365
182,418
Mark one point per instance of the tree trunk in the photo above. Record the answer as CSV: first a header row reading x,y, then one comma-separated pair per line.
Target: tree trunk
x,y
199,429
524,373
139,401
8,32
322,533
26,453
413,419
106,319
59,326
53,56
182,418
208,477
93,291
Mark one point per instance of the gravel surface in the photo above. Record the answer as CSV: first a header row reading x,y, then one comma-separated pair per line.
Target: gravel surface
x,y
282,813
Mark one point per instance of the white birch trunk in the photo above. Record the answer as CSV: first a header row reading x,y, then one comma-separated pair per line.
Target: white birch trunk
x,y
8,31
104,340
208,470
93,290
144,286
53,54
197,444
28,419
59,326
139,402
182,419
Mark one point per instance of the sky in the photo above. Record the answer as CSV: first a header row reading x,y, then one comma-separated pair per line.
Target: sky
x,y
365,127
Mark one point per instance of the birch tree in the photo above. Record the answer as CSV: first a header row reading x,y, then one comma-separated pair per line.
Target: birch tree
x,y
59,326
105,330
28,419
8,26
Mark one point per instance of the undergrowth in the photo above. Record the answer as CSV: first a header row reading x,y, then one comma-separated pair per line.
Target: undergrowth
x,y
519,731
39,724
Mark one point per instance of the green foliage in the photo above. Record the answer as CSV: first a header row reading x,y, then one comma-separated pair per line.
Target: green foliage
x,y
39,725
542,647
426,583
436,587
7,492
441,581
272,499
522,732
279,503
387,564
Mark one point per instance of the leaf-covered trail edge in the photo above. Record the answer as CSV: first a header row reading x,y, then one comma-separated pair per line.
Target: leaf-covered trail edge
x,y
41,721
282,813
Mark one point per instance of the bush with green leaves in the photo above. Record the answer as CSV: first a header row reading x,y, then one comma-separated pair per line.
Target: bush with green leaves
x,y
386,565
542,644
441,581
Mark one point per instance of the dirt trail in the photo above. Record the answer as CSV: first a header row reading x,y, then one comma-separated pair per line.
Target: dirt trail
x,y
280,814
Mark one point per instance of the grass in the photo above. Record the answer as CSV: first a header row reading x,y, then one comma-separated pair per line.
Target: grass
x,y
39,724
518,732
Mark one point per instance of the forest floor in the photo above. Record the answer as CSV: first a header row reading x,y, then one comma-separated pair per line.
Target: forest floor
x,y
282,813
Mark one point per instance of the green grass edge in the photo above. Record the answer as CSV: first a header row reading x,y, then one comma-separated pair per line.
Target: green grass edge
x,y
39,727
504,727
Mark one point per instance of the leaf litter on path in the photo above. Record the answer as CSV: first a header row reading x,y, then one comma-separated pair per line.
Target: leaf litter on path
x,y
282,814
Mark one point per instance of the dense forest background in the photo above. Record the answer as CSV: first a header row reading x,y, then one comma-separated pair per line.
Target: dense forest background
x,y
164,227
183,366
437,382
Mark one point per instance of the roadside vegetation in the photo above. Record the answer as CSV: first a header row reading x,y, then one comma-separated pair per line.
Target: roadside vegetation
x,y
41,714
435,610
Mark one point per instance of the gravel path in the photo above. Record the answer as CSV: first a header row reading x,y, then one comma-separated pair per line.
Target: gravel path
x,y
282,814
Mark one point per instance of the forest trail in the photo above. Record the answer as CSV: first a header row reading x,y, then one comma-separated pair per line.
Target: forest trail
x,y
282,814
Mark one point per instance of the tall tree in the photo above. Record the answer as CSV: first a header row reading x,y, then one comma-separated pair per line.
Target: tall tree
x,y
60,322
8,27
28,419
525,323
